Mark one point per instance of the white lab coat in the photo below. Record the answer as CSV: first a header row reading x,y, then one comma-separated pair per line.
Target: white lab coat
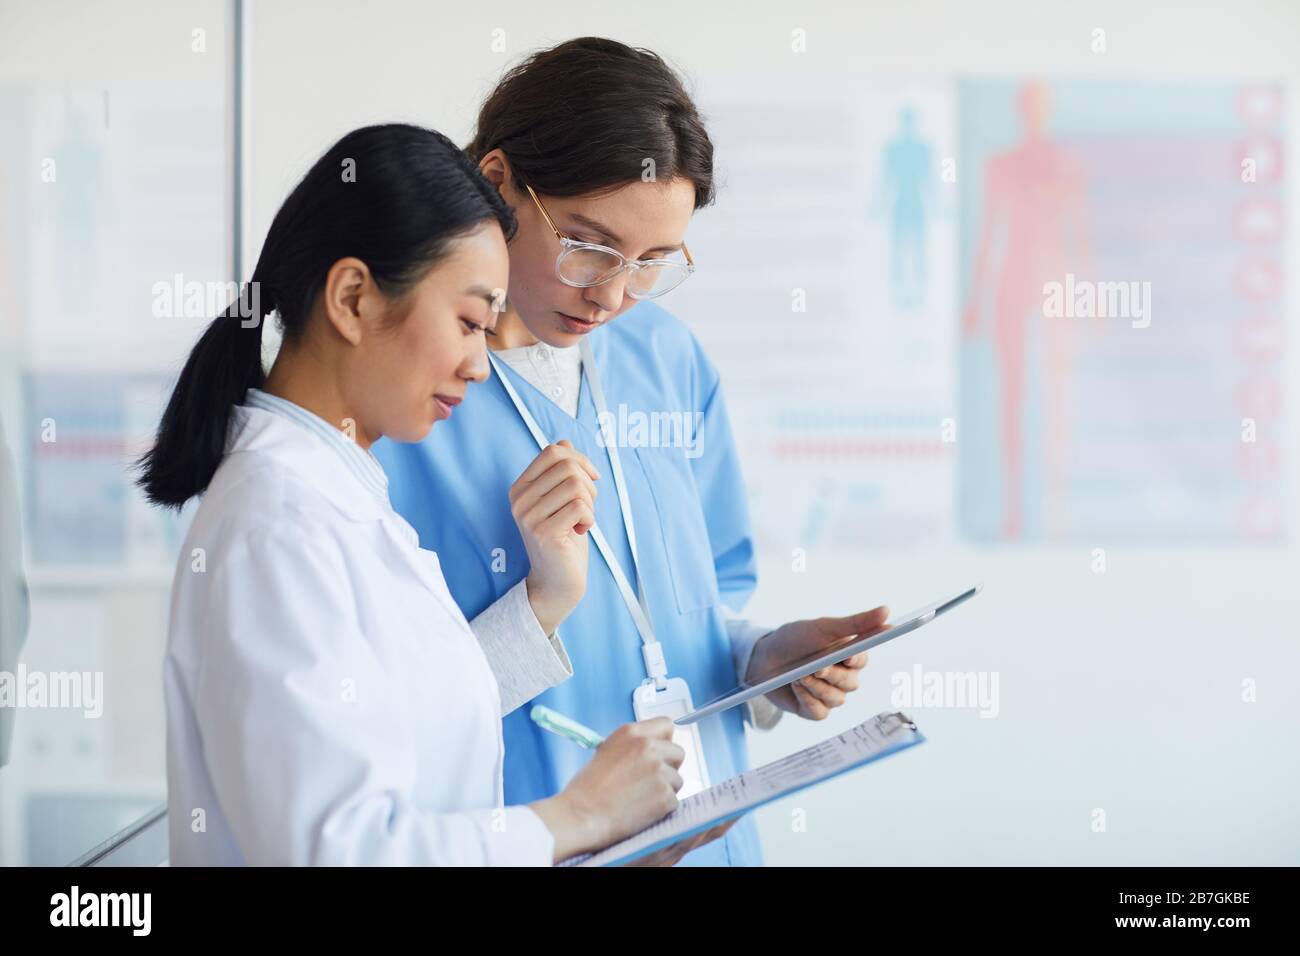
x,y
327,703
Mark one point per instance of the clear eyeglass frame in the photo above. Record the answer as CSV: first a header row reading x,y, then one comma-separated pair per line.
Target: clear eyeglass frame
x,y
665,274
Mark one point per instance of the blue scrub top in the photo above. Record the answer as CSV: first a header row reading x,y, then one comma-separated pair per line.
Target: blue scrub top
x,y
693,535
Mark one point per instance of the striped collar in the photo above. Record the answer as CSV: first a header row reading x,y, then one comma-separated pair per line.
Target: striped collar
x,y
363,465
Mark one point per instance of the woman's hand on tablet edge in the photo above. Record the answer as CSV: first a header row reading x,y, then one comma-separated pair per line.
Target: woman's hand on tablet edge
x,y
813,697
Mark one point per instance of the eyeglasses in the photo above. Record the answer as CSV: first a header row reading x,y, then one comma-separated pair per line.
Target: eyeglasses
x,y
586,264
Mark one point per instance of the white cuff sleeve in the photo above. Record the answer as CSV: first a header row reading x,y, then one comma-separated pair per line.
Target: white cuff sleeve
x,y
525,660
760,712
525,840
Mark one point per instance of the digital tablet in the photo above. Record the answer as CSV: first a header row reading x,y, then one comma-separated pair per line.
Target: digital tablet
x,y
813,663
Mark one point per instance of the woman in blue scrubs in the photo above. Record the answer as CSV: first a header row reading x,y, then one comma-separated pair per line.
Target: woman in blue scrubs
x,y
603,157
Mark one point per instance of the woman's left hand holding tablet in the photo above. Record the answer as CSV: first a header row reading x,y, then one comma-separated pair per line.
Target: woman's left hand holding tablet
x,y
554,505
815,696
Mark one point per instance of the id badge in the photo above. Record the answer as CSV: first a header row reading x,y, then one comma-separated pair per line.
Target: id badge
x,y
672,702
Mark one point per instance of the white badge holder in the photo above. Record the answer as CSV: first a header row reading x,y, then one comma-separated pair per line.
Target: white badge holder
x,y
672,702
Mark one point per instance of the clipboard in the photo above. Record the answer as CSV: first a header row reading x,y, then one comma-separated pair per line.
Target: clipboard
x,y
880,736
813,663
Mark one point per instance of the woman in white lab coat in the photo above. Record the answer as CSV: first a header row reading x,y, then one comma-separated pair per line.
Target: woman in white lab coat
x,y
327,702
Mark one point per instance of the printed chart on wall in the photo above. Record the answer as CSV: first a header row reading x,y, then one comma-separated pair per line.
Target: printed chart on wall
x,y
1122,311
828,304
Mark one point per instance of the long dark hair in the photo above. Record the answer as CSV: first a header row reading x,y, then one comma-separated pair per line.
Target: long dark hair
x,y
393,196
584,116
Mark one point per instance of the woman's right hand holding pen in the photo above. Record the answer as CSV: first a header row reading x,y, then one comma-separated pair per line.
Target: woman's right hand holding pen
x,y
554,505
631,782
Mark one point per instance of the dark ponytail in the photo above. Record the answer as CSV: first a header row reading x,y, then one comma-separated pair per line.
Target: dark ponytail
x,y
584,116
394,197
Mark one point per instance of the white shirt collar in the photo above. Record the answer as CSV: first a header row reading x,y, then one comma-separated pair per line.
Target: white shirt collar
x,y
556,373
363,465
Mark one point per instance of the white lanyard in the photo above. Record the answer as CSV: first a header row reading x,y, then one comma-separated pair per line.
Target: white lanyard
x,y
651,650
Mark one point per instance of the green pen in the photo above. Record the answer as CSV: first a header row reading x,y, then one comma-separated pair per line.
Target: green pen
x,y
556,723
